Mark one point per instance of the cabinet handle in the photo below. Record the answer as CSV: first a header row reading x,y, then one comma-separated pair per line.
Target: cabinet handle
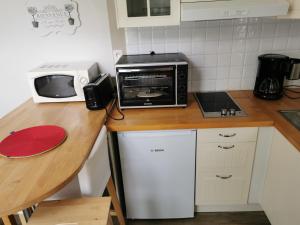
x,y
226,147
224,177
227,135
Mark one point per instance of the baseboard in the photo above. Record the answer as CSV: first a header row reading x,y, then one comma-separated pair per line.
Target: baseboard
x,y
229,208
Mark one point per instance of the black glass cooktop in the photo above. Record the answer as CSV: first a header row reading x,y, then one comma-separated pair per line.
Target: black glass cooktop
x,y
213,103
148,58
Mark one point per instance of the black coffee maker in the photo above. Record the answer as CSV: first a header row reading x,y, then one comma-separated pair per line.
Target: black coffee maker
x,y
272,70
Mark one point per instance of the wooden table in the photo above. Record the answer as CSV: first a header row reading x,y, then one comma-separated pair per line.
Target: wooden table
x,y
24,182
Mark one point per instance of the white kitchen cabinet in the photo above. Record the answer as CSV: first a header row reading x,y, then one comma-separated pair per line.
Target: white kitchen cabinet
x,y
294,10
143,13
281,198
224,165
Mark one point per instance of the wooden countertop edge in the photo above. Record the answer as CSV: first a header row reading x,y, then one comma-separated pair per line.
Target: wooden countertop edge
x,y
175,126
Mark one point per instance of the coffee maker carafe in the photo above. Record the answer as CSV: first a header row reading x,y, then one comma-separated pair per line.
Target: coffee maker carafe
x,y
272,70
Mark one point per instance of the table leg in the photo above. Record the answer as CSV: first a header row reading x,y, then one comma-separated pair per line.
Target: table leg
x,y
110,222
6,220
115,201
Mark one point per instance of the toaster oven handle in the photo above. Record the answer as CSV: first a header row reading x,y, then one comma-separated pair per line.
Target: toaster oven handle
x,y
145,70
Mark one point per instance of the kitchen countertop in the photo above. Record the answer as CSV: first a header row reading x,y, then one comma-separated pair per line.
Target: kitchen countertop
x,y
261,113
24,182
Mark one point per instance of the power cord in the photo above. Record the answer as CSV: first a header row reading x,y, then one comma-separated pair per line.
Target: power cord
x,y
108,112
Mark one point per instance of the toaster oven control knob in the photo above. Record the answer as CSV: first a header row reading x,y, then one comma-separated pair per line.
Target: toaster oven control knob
x,y
223,112
232,112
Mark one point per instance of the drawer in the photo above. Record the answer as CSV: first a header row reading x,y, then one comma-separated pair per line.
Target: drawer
x,y
247,134
225,156
222,189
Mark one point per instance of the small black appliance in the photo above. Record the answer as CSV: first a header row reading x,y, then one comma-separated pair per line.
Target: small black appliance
x,y
99,93
272,70
218,104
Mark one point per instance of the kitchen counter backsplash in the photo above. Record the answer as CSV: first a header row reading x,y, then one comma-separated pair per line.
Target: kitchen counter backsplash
x,y
222,54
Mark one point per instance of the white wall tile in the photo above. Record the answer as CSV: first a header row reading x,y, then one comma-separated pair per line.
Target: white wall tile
x,y
172,34
254,31
221,84
236,72
211,47
222,54
266,44
199,34
249,72
197,60
145,35
237,59
223,72
234,84
212,33
251,58
213,23
239,45
171,47
198,48
224,59
158,35
282,30
132,36
268,30
211,60
239,32
226,32
132,49
295,28
280,43
225,46
185,48
185,34
252,45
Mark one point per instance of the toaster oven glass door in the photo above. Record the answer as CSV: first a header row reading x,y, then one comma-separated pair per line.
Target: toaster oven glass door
x,y
55,86
147,86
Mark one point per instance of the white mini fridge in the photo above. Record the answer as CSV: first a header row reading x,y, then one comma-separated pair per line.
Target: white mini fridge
x,y
158,171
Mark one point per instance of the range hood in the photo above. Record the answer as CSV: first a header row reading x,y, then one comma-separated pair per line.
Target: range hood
x,y
193,10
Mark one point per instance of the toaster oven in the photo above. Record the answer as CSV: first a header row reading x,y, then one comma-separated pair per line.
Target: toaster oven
x,y
159,83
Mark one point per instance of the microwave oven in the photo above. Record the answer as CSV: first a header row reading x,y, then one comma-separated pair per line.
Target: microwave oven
x,y
152,80
61,82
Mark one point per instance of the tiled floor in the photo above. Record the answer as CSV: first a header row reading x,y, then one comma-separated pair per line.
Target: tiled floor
x,y
240,218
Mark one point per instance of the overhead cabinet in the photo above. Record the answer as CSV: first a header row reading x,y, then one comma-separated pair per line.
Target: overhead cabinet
x,y
143,13
193,10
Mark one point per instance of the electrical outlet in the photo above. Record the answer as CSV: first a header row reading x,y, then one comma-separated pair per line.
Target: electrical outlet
x,y
117,55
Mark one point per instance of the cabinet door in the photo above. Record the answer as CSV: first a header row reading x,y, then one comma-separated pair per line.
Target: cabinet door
x,y
224,173
222,188
294,10
142,13
216,157
281,198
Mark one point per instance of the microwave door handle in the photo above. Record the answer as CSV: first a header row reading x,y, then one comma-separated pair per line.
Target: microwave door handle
x,y
145,70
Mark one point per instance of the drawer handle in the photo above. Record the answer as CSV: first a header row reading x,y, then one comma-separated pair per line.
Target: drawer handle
x,y
224,177
227,135
226,147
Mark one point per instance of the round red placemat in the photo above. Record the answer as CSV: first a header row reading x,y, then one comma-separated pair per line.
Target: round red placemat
x,y
32,141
